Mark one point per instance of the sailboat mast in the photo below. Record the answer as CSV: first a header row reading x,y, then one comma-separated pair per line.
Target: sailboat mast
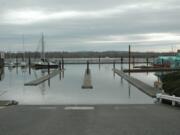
x,y
23,48
43,53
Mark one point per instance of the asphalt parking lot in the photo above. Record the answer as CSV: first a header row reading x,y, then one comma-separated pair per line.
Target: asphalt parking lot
x,y
90,120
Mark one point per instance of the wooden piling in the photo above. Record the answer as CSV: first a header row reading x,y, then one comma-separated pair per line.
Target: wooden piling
x,y
48,68
16,60
129,59
121,60
87,67
29,63
59,65
114,64
147,61
133,61
62,63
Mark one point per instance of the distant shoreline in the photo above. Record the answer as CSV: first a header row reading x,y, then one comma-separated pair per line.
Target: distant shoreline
x,y
89,54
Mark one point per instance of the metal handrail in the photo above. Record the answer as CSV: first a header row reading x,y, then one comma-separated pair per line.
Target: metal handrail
x,y
173,98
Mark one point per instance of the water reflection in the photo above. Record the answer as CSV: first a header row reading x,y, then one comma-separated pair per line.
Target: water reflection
x,y
17,70
2,74
129,90
59,75
63,73
107,89
99,65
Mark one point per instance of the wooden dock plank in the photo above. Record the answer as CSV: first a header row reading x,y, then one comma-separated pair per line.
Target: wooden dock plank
x,y
147,89
43,78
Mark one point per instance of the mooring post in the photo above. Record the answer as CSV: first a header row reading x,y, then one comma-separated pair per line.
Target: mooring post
x,y
16,60
59,65
99,59
129,58
87,67
48,68
29,64
121,63
114,64
133,60
62,63
147,61
121,60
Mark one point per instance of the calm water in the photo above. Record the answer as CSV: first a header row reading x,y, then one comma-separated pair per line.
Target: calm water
x,y
65,88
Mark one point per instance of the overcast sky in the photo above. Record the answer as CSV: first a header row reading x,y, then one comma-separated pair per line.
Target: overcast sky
x,y
90,25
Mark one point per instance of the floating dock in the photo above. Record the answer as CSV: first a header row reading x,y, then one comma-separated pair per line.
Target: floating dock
x,y
152,70
8,102
147,89
87,84
43,78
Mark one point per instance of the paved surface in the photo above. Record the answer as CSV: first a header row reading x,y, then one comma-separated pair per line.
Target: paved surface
x,y
96,120
147,89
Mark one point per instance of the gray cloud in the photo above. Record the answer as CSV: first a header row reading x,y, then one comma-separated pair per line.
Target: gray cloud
x,y
73,25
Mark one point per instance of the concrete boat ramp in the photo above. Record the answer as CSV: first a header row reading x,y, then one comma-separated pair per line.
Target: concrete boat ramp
x,y
43,78
147,89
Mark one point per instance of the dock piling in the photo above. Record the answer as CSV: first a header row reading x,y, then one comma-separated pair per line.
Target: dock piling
x,y
114,64
121,60
133,61
87,67
147,61
48,68
129,58
16,60
59,65
62,63
29,63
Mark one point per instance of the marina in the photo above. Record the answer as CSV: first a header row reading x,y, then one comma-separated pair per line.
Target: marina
x,y
107,88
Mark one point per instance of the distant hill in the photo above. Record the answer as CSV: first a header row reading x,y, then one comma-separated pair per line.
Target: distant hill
x,y
87,54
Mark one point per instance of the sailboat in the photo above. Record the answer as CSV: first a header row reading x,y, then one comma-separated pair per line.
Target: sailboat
x,y
11,64
44,63
23,63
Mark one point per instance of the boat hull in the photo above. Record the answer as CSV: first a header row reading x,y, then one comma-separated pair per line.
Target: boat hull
x,y
39,66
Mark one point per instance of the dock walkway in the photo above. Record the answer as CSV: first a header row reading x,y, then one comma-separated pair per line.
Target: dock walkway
x,y
43,78
147,89
151,70
87,84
